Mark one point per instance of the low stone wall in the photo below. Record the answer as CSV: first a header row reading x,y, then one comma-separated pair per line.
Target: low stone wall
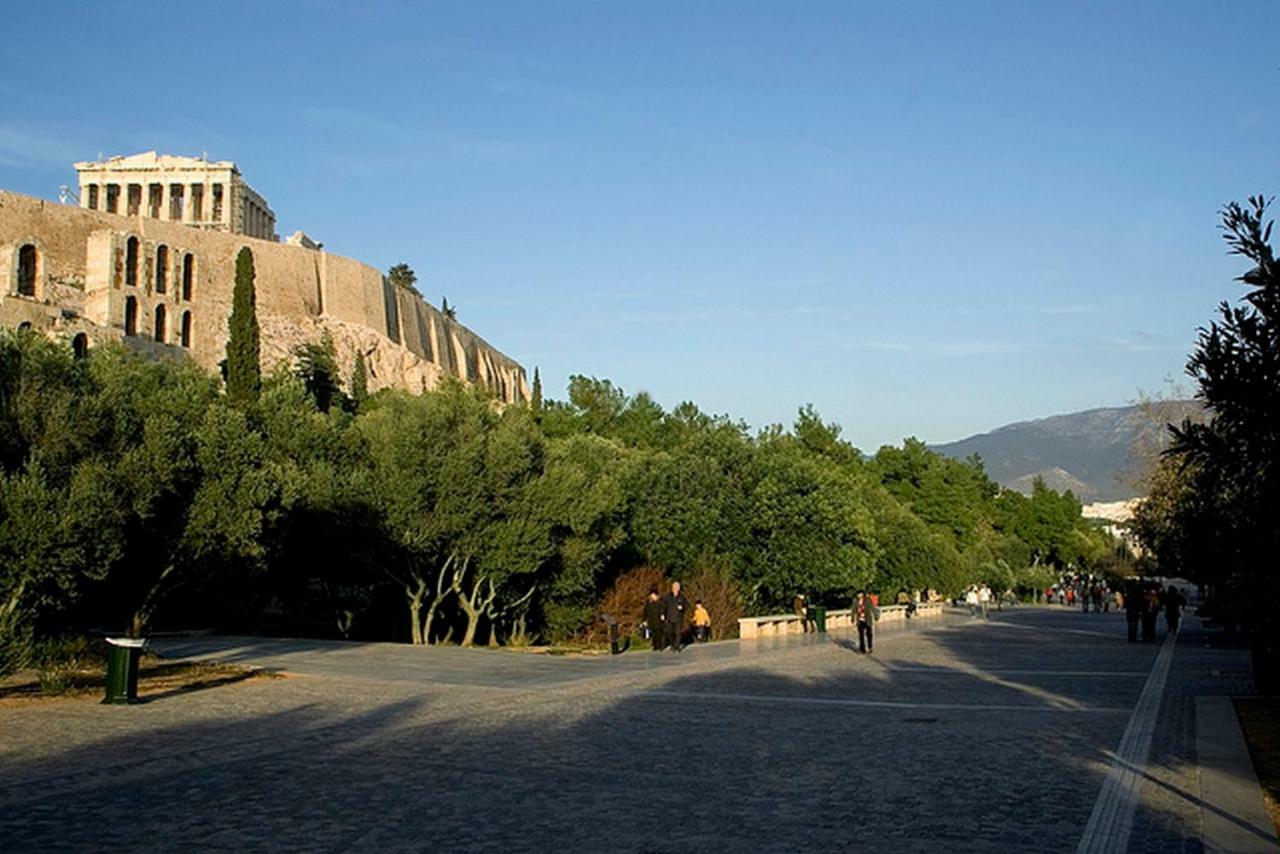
x,y
787,624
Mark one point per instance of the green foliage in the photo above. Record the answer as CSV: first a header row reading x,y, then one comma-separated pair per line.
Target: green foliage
x,y
134,495
316,364
402,276
359,381
244,372
947,494
810,527
1211,506
912,556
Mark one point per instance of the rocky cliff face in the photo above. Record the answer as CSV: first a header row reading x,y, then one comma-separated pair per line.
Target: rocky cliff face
x,y
389,365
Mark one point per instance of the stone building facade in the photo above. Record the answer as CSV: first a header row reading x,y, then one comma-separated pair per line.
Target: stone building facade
x,y
190,190
160,285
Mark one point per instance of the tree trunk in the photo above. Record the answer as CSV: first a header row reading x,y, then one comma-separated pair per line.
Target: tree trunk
x,y
471,604
142,616
472,613
434,605
494,613
414,594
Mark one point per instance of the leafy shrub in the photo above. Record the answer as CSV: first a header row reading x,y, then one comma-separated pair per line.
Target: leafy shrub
x,y
15,649
624,601
58,661
720,596
566,620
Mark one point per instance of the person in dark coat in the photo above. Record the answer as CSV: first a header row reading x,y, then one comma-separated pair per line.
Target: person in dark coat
x,y
1174,602
653,618
1134,602
674,607
865,614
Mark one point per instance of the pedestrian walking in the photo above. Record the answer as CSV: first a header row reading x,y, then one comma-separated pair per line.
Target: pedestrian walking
x,y
701,622
1150,612
1174,602
984,599
971,599
653,619
865,614
1133,603
801,606
674,606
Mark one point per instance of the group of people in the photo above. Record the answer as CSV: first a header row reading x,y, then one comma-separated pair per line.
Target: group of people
x,y
664,619
1143,602
1088,591
978,599
865,610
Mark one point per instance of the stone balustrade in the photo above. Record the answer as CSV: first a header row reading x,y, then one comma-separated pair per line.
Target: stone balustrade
x,y
785,624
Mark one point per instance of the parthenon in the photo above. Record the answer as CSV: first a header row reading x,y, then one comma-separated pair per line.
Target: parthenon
x,y
190,190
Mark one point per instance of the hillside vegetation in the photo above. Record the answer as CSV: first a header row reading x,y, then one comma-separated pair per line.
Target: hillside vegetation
x,y
136,494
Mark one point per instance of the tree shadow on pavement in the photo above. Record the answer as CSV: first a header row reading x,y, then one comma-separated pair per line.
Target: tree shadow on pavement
x,y
928,745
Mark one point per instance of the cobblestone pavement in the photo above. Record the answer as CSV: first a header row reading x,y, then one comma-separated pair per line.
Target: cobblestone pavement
x,y
957,734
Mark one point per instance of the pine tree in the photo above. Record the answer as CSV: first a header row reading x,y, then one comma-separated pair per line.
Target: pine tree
x,y
244,373
402,275
359,381
536,403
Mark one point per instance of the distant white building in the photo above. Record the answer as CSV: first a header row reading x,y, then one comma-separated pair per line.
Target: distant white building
x,y
1117,515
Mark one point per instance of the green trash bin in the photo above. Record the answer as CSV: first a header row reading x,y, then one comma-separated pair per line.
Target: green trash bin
x,y
820,617
122,670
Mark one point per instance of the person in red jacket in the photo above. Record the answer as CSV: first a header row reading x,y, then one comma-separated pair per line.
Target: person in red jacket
x,y
865,614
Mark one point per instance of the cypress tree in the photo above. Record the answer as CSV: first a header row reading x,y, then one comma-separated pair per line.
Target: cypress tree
x,y
536,403
359,381
244,374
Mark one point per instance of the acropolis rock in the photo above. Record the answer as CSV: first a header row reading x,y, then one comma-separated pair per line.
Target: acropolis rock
x,y
148,258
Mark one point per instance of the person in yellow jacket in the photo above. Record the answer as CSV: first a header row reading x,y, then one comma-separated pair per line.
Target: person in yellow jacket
x,y
701,622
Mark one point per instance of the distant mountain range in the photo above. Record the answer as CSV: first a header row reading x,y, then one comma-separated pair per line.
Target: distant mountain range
x,y
1086,452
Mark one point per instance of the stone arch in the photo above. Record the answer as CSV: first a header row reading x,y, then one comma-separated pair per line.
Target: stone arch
x,y
131,261
130,316
184,331
162,268
188,275
162,316
80,345
28,267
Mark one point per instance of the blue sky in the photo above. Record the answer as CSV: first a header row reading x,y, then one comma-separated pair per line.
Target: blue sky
x,y
925,219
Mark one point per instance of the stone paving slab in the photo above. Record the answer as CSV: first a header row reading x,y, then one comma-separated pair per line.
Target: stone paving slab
x,y
968,736
1232,813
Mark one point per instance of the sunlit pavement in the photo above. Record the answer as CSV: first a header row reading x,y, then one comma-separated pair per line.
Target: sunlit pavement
x,y
957,734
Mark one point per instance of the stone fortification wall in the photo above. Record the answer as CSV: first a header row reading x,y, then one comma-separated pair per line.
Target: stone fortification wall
x,y
165,287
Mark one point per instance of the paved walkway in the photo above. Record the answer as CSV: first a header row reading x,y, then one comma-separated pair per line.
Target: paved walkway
x,y
956,735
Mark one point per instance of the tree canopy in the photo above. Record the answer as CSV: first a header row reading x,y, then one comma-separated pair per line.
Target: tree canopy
x,y
135,494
